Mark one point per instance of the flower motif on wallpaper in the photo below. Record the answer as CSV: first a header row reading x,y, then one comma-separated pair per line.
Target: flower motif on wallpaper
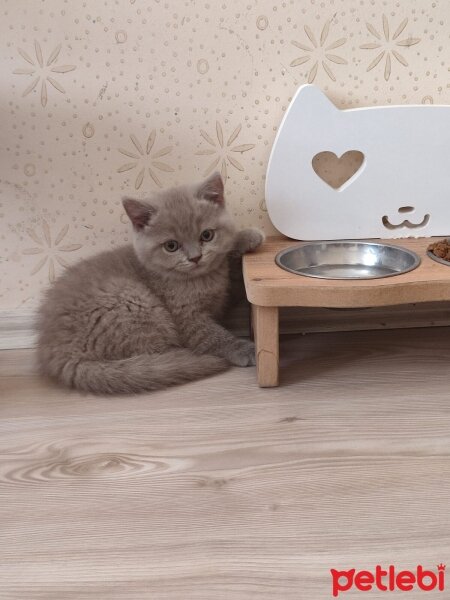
x,y
222,150
50,249
41,72
146,160
319,53
386,47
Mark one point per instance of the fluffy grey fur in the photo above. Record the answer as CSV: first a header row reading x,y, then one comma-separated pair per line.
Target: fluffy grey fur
x,y
144,316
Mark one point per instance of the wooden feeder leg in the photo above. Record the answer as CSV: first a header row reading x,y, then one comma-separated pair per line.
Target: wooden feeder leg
x,y
265,326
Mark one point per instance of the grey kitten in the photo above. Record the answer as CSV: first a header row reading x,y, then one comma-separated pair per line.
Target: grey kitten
x,y
144,316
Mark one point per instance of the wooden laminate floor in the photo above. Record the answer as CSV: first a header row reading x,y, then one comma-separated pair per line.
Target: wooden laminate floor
x,y
219,490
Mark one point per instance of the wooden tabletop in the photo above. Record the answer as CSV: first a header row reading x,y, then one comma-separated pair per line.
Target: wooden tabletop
x,y
269,285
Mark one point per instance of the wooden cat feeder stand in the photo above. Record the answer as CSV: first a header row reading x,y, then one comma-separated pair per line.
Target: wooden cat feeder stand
x,y
396,186
269,287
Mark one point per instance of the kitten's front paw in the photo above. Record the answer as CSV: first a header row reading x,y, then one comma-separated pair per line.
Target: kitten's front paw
x,y
249,239
242,354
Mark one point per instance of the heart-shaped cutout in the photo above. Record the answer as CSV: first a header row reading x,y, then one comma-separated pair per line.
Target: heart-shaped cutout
x,y
337,171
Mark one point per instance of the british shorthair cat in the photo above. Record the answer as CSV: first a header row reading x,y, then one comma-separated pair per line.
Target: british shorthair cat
x,y
144,316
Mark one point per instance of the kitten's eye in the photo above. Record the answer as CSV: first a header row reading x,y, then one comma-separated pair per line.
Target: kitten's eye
x,y
207,235
171,245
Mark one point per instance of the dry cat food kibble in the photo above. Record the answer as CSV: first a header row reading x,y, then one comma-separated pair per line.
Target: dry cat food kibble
x,y
441,249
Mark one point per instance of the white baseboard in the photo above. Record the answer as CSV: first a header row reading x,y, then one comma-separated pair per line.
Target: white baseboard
x,y
17,328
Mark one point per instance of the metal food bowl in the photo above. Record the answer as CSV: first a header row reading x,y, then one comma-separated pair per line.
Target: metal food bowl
x,y
347,260
438,258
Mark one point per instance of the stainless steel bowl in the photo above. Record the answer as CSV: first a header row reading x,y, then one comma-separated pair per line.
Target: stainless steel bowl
x,y
347,260
438,259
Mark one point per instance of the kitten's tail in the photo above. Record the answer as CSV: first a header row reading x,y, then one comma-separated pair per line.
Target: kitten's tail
x,y
139,373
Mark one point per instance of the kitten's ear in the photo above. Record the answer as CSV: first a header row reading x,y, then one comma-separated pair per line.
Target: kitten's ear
x,y
212,189
139,212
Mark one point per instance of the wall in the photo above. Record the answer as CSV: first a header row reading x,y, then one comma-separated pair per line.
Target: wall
x,y
99,99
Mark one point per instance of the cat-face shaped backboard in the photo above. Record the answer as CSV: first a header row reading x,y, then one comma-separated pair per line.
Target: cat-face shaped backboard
x,y
402,186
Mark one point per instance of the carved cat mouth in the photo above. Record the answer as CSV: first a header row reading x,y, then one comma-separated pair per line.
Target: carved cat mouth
x,y
406,223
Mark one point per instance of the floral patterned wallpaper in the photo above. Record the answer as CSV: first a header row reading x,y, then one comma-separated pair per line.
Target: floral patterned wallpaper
x,y
111,97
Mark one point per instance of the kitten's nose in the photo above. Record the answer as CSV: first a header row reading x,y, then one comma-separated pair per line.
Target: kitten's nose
x,y
195,259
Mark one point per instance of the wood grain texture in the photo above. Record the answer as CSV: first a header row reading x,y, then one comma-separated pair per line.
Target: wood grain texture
x,y
266,328
314,320
269,285
220,490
